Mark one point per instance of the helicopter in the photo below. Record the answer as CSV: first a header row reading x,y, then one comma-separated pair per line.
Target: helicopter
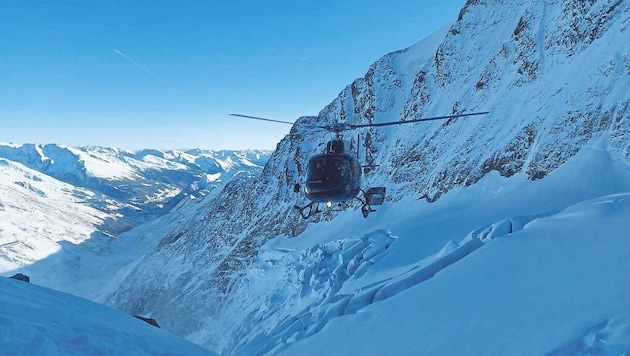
x,y
335,175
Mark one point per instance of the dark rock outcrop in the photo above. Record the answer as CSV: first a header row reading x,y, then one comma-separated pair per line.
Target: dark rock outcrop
x,y
21,277
147,320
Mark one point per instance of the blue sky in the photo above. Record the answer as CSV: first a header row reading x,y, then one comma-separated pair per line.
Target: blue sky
x,y
166,74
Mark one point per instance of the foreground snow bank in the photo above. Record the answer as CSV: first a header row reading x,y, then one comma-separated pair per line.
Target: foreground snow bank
x,y
508,266
556,285
39,321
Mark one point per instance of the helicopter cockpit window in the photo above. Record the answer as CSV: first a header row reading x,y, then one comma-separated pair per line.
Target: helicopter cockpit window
x,y
339,168
323,169
317,169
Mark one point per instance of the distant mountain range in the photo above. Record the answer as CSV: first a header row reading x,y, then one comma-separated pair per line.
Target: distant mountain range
x,y
138,185
53,196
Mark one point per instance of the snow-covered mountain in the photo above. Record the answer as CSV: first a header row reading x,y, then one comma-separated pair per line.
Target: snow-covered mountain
x,y
138,185
39,321
61,233
39,213
501,234
252,277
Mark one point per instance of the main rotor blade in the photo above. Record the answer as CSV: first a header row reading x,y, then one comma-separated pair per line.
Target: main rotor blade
x,y
418,120
280,121
263,119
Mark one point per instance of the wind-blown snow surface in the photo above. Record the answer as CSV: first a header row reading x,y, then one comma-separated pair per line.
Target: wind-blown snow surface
x,y
40,321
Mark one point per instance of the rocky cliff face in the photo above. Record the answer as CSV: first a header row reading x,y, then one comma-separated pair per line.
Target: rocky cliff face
x,y
553,74
542,69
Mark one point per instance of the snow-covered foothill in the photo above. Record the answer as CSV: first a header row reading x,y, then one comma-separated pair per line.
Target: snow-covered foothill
x,y
40,321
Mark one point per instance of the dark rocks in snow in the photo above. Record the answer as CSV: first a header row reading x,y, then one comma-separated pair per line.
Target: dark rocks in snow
x,y
147,320
21,277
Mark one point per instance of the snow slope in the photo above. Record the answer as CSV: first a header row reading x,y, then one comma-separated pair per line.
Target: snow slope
x,y
542,276
556,285
39,213
40,321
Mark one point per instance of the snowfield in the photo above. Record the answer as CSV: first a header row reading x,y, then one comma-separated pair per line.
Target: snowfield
x,y
555,285
38,213
40,321
504,267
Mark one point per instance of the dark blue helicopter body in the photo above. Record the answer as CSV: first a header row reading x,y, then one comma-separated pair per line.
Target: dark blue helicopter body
x,y
332,177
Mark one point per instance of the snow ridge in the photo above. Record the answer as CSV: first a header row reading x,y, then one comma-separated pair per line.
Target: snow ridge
x,y
38,321
317,280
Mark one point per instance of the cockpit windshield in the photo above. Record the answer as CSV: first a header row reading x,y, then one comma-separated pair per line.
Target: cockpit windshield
x,y
327,168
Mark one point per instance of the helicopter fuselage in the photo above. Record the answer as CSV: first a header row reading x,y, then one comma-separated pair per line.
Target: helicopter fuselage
x,y
333,177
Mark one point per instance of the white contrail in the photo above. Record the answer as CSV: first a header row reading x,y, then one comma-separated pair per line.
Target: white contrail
x,y
139,65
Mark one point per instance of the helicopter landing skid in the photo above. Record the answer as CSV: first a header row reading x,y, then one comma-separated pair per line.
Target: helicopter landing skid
x,y
308,210
373,196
